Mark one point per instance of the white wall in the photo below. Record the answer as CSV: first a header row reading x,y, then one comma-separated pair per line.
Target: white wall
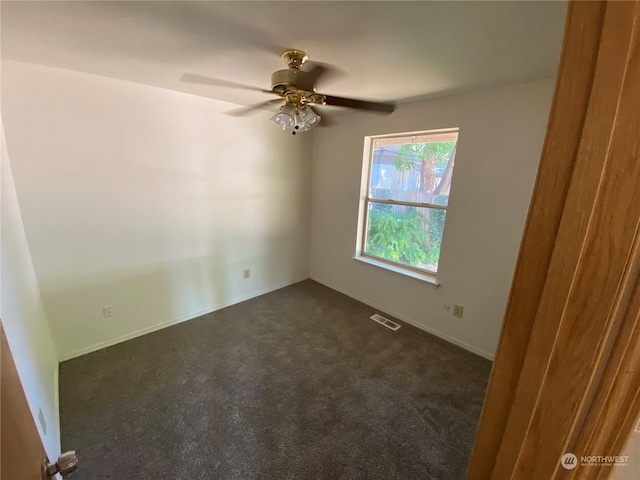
x,y
149,200
23,317
501,137
153,201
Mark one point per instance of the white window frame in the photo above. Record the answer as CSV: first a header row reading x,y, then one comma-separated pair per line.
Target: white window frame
x,y
363,216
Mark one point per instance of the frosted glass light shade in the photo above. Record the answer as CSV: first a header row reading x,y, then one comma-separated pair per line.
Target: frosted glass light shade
x,y
307,119
285,117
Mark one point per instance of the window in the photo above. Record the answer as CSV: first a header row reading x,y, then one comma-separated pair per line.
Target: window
x,y
405,197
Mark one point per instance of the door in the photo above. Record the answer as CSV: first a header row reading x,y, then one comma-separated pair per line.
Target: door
x,y
564,385
22,452
22,455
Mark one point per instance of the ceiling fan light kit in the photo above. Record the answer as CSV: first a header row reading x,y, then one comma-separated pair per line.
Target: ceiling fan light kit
x,y
308,118
297,88
296,118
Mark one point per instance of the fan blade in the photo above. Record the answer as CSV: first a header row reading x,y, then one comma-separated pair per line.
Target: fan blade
x,y
244,111
204,80
360,104
321,70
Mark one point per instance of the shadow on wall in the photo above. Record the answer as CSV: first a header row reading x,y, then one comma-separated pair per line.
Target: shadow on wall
x,y
149,297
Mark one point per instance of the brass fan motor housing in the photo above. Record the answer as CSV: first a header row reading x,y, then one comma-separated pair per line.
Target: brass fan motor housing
x,y
291,78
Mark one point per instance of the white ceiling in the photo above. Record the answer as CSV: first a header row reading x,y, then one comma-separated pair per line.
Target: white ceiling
x,y
385,50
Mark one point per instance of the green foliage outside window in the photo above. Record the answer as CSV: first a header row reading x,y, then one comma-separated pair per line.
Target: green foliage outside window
x,y
396,236
408,234
404,236
412,154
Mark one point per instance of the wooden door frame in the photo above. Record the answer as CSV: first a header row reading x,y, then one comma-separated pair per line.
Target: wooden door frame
x,y
566,375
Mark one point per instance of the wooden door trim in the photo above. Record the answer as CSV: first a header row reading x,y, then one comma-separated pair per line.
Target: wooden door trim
x,y
568,110
590,145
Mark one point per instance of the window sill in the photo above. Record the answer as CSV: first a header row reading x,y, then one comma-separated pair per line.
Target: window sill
x,y
424,277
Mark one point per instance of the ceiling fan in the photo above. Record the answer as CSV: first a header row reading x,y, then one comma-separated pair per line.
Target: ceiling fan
x,y
297,88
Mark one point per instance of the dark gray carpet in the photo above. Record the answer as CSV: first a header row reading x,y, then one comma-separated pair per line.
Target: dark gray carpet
x,y
295,384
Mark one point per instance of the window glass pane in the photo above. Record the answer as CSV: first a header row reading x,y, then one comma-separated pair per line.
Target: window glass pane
x,y
413,169
405,234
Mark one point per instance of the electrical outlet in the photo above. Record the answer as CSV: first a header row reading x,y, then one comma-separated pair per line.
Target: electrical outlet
x,y
107,311
246,273
458,310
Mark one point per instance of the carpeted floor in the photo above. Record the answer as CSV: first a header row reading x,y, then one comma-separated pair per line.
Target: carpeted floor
x,y
295,384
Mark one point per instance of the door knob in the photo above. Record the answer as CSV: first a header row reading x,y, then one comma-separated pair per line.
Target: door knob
x,y
67,463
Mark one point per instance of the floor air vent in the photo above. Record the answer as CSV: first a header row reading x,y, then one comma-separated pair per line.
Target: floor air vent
x,y
385,321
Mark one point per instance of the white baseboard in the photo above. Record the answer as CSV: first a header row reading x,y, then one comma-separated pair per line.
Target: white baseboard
x,y
410,321
160,326
191,316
